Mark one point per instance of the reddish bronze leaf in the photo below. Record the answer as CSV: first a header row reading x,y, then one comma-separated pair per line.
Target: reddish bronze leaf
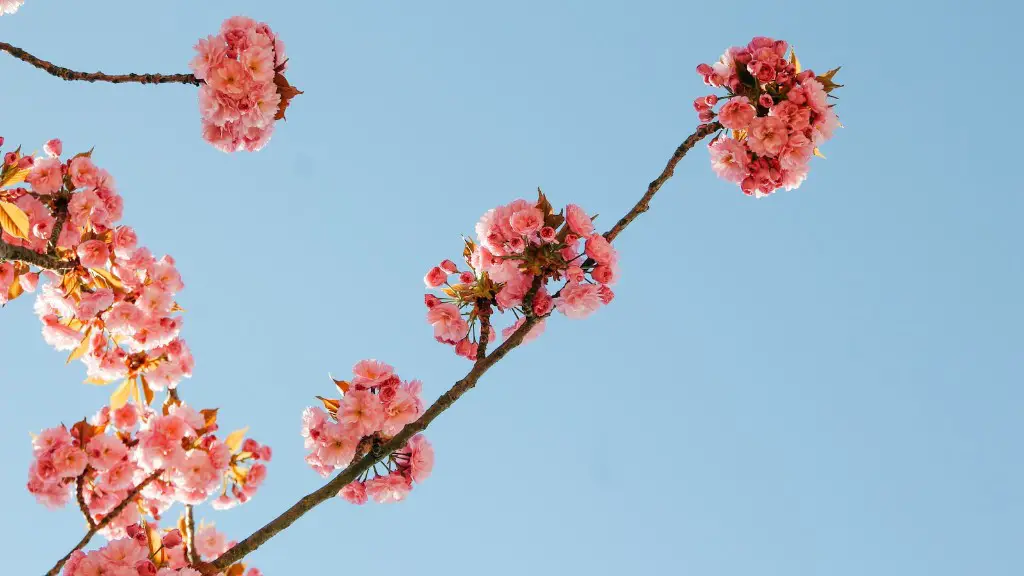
x,y
287,92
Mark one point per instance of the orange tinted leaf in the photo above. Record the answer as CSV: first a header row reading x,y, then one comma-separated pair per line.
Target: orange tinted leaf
x,y
15,290
82,348
209,416
330,404
234,440
14,221
96,381
342,385
108,276
147,391
15,177
794,60
120,396
818,153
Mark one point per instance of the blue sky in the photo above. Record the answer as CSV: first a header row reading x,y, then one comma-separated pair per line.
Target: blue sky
x,y
823,382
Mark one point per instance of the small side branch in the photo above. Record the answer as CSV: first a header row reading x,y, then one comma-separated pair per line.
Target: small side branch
x,y
68,74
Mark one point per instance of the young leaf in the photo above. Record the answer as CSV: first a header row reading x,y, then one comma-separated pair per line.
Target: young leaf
x,y
97,381
542,203
147,391
14,221
341,384
794,60
15,177
209,416
826,80
330,404
818,153
234,440
82,348
120,396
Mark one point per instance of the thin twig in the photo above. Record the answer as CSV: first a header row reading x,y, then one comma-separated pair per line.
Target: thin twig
x,y
68,74
645,203
11,252
80,496
104,521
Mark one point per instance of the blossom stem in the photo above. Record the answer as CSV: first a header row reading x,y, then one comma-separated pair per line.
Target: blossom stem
x,y
645,202
67,74
104,521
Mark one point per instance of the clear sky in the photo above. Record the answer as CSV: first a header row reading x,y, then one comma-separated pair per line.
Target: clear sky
x,y
825,382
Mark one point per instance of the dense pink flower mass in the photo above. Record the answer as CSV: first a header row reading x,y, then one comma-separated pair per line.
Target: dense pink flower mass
x,y
115,307
148,550
778,115
375,405
117,449
244,88
521,248
10,6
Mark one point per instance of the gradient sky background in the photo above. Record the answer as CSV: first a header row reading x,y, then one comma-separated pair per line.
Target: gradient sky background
x,y
825,382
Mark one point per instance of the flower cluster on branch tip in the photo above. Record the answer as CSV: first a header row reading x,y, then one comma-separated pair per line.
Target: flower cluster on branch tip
x,y
374,406
113,304
245,90
517,245
778,115
173,453
148,550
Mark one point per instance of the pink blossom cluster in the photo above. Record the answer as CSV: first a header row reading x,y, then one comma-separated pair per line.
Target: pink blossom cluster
x,y
146,550
108,456
115,307
375,405
241,97
10,6
778,115
520,244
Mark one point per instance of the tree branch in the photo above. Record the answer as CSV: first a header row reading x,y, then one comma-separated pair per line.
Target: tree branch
x,y
61,215
106,520
190,535
446,400
645,203
352,472
11,252
67,74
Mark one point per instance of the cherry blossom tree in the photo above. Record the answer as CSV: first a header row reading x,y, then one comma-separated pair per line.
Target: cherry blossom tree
x,y
107,301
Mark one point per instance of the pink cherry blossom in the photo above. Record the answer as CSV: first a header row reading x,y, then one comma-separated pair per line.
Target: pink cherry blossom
x,y
354,492
421,458
737,113
729,159
578,300
578,221
362,411
47,176
10,6
767,135
447,322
